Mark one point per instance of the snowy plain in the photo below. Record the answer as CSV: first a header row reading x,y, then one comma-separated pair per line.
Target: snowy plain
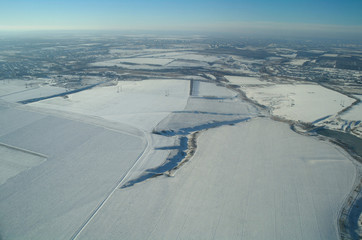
x,y
355,113
135,60
18,90
160,60
252,187
298,62
130,102
13,161
241,81
208,106
304,102
250,178
84,163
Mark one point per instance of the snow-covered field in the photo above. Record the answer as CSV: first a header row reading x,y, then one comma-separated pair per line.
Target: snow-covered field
x,y
298,62
84,164
129,102
14,161
205,89
136,60
171,59
304,102
19,90
254,180
348,121
241,81
355,113
250,178
209,106
197,57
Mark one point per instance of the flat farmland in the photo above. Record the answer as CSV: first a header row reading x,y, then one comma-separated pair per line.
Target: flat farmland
x,y
84,164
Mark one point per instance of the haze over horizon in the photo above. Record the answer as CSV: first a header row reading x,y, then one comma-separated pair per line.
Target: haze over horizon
x,y
232,16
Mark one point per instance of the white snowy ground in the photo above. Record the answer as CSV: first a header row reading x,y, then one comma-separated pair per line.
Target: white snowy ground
x,y
89,152
18,90
138,103
304,102
14,161
122,62
242,81
254,180
206,89
350,120
160,59
209,106
50,199
355,113
298,62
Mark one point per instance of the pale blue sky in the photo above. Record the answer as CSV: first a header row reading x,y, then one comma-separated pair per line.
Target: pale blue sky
x,y
212,15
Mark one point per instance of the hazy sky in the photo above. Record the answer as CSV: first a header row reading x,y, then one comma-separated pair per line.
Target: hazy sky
x,y
211,15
